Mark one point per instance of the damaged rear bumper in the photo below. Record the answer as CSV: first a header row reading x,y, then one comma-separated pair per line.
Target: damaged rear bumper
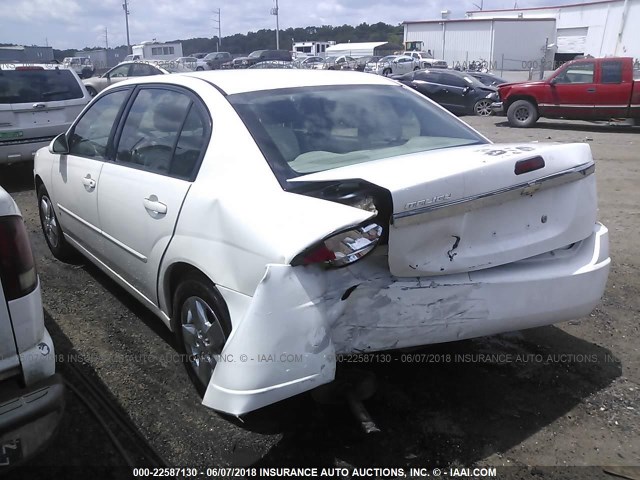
x,y
300,317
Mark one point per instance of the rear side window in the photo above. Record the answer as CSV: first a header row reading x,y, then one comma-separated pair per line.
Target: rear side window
x,y
25,86
611,72
164,133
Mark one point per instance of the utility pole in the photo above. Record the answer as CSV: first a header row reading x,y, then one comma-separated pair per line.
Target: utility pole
x,y
219,30
125,7
106,38
274,11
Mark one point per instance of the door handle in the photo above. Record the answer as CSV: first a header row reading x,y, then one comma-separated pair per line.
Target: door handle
x,y
152,204
89,182
38,105
591,90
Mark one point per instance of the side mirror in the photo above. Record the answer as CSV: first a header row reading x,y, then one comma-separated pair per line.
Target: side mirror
x,y
466,90
553,81
59,145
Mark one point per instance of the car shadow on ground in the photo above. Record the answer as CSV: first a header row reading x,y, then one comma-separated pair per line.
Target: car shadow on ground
x,y
575,126
448,404
82,447
17,177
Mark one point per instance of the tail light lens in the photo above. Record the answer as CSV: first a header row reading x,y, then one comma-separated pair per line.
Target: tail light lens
x,y
17,267
342,248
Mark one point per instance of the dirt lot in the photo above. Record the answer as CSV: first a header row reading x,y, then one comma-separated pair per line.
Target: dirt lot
x,y
568,395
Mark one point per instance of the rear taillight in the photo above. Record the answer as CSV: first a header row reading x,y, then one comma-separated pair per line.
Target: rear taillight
x,y
17,267
342,248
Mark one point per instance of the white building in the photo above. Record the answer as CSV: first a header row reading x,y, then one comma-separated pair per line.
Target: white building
x,y
498,43
362,49
157,51
310,49
604,28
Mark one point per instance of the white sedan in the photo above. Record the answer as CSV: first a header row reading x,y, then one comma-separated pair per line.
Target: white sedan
x,y
275,218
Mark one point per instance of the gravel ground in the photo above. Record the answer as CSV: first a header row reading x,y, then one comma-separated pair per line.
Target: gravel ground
x,y
566,395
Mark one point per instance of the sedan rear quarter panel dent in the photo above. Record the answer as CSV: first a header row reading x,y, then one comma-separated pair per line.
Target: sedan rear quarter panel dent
x,y
300,317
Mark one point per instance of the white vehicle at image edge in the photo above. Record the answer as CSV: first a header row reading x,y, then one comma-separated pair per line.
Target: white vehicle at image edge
x,y
227,201
31,394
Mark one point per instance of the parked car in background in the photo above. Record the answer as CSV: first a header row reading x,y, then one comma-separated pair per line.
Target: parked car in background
x,y
123,71
31,394
273,64
456,91
37,102
361,62
308,62
585,89
261,56
424,59
199,55
83,66
189,63
392,65
323,213
215,60
342,62
433,63
487,78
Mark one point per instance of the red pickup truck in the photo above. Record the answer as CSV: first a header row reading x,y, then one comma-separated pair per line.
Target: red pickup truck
x,y
585,89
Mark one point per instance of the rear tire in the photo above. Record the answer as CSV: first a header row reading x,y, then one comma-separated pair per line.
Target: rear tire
x,y
51,228
522,114
199,69
386,72
201,324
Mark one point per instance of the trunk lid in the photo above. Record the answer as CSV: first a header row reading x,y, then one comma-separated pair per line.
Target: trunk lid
x,y
463,209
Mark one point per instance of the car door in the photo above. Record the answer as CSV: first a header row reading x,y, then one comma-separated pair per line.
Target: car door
x,y
573,92
428,83
76,175
159,147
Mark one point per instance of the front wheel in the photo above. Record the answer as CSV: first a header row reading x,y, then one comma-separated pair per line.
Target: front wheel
x,y
522,114
201,324
199,69
482,108
386,72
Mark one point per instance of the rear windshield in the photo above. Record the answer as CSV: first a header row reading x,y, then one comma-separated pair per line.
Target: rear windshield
x,y
23,86
311,129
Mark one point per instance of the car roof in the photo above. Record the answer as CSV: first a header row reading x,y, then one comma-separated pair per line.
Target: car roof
x,y
45,66
253,80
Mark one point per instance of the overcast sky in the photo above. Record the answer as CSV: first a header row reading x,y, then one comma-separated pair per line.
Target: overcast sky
x,y
79,23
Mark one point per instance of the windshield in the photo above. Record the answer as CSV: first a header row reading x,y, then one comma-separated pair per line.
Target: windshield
x,y
256,54
388,58
310,129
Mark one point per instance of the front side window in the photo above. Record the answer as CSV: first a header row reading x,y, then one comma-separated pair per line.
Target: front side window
x,y
152,133
91,134
120,71
311,129
578,73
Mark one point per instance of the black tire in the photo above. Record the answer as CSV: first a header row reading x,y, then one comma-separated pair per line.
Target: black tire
x,y
522,114
386,72
199,69
51,229
416,69
197,288
482,108
92,91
